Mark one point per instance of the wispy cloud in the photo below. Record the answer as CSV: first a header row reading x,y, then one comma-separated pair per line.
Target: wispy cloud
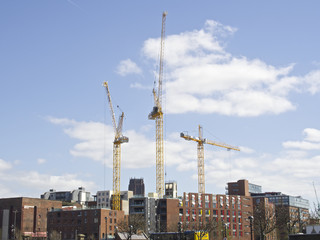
x,y
127,67
311,141
289,167
16,182
41,160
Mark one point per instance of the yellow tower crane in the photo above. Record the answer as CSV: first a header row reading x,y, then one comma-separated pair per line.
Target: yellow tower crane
x,y
157,115
200,140
118,140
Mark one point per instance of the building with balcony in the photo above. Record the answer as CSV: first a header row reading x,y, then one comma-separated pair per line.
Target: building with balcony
x,y
145,207
228,213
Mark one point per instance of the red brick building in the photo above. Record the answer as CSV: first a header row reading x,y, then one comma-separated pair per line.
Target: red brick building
x,y
25,216
93,223
229,213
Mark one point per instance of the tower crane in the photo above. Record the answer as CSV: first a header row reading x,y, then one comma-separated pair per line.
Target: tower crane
x,y
317,208
157,115
201,141
118,140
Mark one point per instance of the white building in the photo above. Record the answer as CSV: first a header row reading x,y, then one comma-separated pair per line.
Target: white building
x,y
104,199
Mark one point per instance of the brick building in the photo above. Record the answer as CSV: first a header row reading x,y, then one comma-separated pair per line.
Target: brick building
x,y
92,223
25,216
167,215
291,212
243,188
229,214
264,219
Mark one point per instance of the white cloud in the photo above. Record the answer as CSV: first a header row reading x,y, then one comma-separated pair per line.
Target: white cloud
x,y
140,86
313,81
127,67
4,165
311,140
291,172
41,160
16,183
202,77
312,134
44,181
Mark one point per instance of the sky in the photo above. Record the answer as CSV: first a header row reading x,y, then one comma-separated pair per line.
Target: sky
x,y
248,72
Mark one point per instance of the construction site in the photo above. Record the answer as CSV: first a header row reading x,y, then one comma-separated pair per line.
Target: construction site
x,y
241,211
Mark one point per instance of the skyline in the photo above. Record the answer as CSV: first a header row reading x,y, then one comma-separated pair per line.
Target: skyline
x,y
247,72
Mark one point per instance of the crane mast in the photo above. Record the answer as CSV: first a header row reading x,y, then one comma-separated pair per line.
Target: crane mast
x,y
157,115
200,148
317,208
118,140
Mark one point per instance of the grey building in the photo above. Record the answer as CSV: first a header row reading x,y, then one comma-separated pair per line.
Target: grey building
x,y
279,198
136,185
145,207
79,195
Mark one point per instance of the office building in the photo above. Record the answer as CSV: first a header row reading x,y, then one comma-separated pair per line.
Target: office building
x,y
136,185
79,196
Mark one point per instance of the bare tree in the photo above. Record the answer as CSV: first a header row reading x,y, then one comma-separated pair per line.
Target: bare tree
x,y
91,237
54,235
264,219
135,223
203,228
289,220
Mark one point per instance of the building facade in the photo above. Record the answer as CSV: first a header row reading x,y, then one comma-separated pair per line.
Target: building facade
x,y
292,212
25,217
104,200
227,214
264,213
78,195
243,188
92,223
171,189
146,208
136,185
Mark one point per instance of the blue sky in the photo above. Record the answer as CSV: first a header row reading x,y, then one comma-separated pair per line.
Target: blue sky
x,y
248,72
